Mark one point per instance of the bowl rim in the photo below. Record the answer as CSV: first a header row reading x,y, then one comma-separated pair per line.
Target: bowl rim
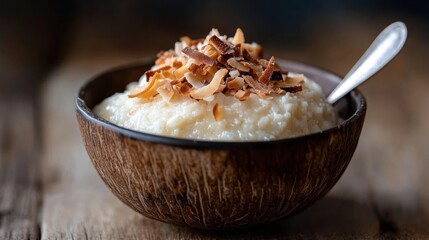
x,y
88,114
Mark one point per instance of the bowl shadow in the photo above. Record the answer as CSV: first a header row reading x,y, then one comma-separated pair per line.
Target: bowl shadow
x,y
329,217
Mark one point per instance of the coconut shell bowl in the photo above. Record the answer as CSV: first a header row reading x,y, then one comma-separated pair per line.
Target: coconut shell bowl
x,y
217,184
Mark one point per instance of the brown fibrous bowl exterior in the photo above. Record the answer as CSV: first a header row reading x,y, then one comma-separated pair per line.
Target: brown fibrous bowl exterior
x,y
210,184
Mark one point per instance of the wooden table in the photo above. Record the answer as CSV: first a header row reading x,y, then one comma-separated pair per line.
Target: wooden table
x,y
49,189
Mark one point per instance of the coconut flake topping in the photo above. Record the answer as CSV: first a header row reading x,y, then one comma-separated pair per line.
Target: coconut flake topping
x,y
202,68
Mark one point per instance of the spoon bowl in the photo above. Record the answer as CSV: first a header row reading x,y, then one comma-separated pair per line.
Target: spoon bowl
x,y
384,48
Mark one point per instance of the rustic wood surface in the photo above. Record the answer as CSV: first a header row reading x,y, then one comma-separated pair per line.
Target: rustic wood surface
x,y
19,190
50,190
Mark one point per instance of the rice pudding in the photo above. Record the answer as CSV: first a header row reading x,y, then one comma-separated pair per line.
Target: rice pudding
x,y
220,88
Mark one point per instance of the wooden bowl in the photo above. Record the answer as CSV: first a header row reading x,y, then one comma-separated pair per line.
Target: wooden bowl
x,y
210,184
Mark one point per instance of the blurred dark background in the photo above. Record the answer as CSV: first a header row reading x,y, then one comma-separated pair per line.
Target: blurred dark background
x,y
37,35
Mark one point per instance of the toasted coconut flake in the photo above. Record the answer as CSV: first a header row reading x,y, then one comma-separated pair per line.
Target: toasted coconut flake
x,y
234,73
293,89
197,68
163,56
263,62
248,57
200,57
266,75
221,88
177,64
139,90
291,84
148,90
211,88
191,42
193,68
166,92
280,91
222,47
178,47
222,61
238,37
255,70
242,95
257,85
261,94
160,68
211,69
209,98
167,75
186,40
254,50
210,51
216,112
235,64
185,89
149,74
175,82
238,50
180,72
295,80
236,83
214,31
194,80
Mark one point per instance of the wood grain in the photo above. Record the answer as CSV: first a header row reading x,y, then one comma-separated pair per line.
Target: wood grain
x,y
76,205
19,188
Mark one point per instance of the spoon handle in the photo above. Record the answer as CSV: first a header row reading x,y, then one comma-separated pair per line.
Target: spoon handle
x,y
387,44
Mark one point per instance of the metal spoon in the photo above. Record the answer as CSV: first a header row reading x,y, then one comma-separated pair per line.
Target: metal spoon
x,y
387,44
